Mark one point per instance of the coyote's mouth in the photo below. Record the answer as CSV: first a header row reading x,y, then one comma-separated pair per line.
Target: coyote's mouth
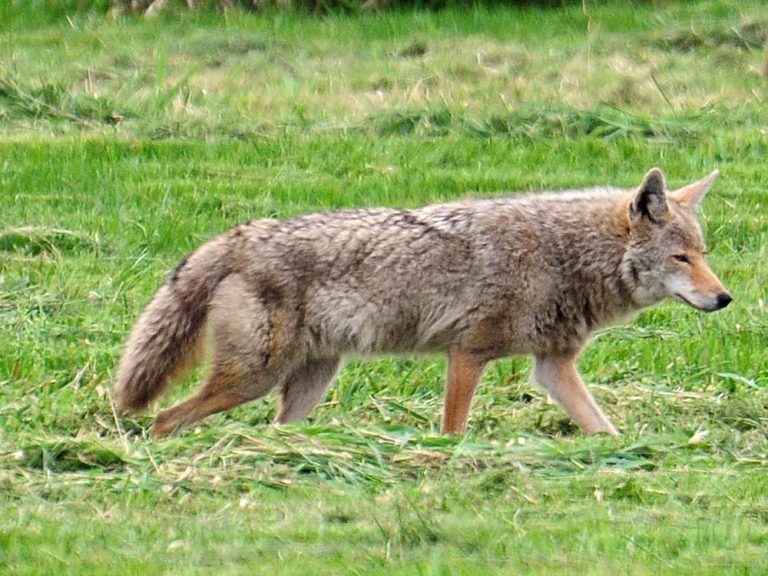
x,y
684,299
692,305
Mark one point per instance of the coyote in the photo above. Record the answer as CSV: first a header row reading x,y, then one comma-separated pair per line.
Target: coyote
x,y
283,301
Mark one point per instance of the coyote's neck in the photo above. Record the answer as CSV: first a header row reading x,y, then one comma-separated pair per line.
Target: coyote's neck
x,y
599,289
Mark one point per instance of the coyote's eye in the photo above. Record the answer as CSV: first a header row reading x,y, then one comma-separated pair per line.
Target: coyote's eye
x,y
681,258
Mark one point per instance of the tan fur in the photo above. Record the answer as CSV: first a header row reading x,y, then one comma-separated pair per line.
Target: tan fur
x,y
464,372
284,301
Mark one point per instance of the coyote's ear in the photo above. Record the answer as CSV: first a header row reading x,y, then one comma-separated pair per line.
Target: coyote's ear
x,y
650,200
690,196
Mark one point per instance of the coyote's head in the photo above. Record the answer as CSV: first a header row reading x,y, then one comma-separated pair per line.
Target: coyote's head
x,y
666,253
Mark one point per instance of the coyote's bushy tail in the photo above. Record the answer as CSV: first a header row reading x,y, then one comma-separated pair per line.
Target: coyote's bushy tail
x,y
165,339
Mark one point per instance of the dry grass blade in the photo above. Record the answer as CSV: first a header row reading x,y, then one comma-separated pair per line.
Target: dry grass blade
x,y
37,239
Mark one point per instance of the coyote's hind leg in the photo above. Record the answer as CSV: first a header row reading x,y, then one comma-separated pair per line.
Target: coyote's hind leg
x,y
253,352
304,388
222,391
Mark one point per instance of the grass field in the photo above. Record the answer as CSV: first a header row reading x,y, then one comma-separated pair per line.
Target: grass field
x,y
125,143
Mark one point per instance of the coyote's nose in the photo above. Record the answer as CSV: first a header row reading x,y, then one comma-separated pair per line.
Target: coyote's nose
x,y
723,299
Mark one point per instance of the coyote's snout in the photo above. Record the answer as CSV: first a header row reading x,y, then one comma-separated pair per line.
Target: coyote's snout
x,y
284,301
696,285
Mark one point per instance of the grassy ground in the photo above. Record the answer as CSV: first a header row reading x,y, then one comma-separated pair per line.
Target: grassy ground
x,y
123,144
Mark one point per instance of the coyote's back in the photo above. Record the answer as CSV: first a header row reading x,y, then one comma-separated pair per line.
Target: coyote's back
x,y
285,300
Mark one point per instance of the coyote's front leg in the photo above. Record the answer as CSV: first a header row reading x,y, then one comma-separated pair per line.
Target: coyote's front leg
x,y
464,372
557,374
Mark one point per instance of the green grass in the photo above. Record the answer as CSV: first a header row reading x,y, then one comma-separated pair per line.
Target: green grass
x,y
125,143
